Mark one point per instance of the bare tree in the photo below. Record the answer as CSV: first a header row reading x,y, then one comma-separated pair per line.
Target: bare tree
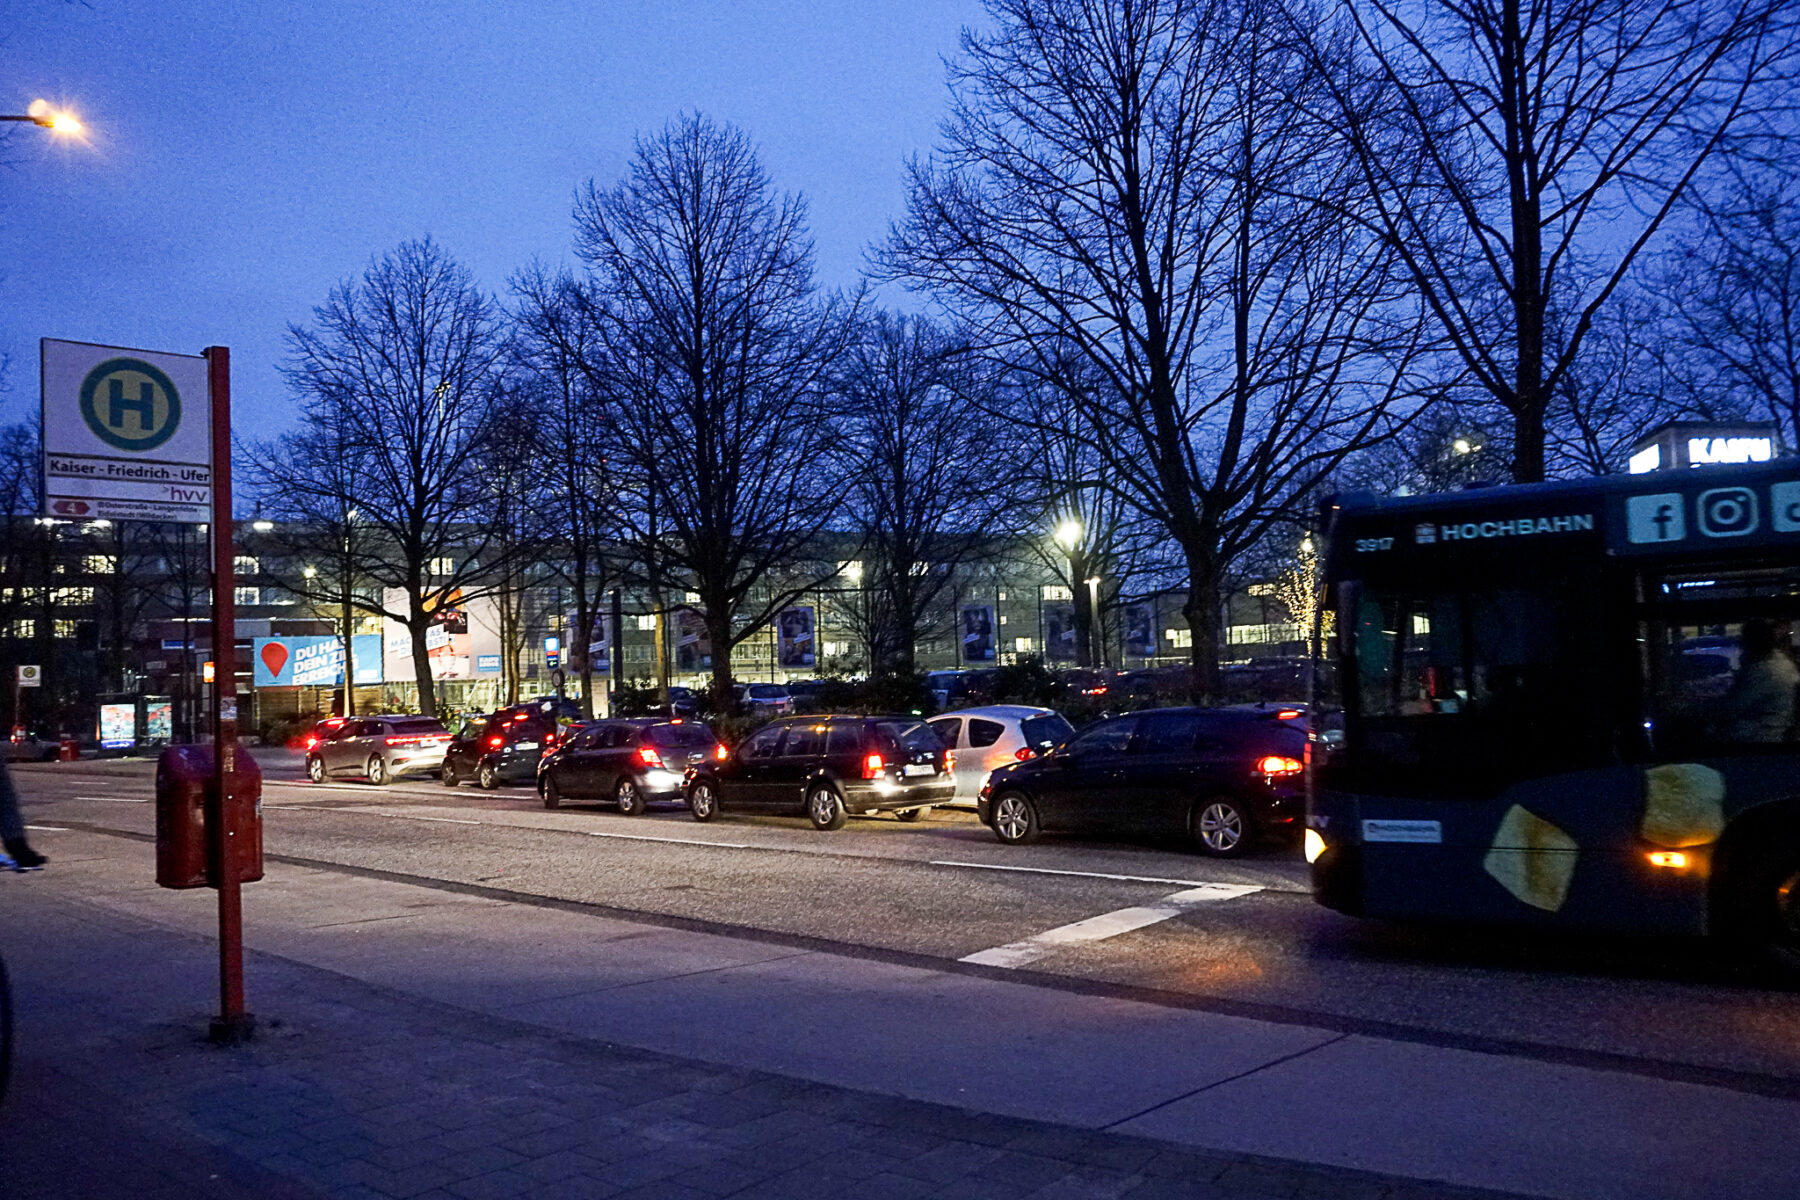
x,y
927,493
1732,345
560,352
397,375
1144,181
716,352
1557,136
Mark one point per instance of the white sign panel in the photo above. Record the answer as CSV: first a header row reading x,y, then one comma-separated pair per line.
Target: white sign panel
x,y
127,434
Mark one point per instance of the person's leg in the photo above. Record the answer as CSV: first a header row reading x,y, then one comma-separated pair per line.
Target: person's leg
x,y
12,826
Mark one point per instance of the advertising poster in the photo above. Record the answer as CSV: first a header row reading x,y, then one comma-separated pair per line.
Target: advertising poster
x,y
118,726
1059,632
693,647
460,634
599,643
978,633
313,661
159,720
794,630
1140,630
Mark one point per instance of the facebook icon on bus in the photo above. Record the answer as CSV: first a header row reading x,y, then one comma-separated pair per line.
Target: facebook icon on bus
x,y
1655,518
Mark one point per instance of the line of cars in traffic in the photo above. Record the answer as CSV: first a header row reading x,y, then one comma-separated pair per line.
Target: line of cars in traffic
x,y
1224,779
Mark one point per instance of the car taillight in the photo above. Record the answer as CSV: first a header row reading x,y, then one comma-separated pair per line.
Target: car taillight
x,y
949,760
1279,764
311,741
720,752
1024,752
495,742
873,766
649,757
1288,714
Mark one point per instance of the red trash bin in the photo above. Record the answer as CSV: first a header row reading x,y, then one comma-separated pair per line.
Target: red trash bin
x,y
185,793
68,749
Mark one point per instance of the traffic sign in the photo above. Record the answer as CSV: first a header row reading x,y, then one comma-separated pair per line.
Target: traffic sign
x,y
30,676
127,434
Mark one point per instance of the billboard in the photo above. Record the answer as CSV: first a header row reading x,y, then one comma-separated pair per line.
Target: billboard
x,y
461,634
1140,630
693,646
313,661
599,644
795,645
978,633
1059,632
118,726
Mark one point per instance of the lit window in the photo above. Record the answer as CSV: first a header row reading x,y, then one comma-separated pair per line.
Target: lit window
x,y
63,629
246,596
72,595
1022,645
1262,589
99,564
1181,639
441,567
245,564
24,627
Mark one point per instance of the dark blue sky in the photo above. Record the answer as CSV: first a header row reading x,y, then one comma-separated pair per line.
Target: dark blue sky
x,y
245,157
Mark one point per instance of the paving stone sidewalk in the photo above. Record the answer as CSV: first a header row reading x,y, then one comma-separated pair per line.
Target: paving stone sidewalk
x,y
365,1094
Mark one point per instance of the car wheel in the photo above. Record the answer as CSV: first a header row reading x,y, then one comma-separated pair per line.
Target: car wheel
x,y
703,801
376,771
1222,828
315,768
488,777
913,814
627,796
448,776
825,807
1015,819
549,792
1770,908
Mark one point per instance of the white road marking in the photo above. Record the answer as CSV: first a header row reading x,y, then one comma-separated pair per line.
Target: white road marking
x,y
48,828
363,812
639,837
118,799
1106,925
445,820
1188,883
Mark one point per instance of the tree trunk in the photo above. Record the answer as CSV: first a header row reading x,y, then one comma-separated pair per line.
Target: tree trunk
x,y
422,665
1205,627
718,631
1083,610
347,618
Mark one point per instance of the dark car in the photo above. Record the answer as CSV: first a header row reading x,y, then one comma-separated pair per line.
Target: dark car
x,y
827,767
502,748
629,762
1221,777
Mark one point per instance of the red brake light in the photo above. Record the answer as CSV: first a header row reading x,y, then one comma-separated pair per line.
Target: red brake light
x,y
1287,714
312,739
649,757
720,752
873,766
949,760
1024,752
1279,764
495,742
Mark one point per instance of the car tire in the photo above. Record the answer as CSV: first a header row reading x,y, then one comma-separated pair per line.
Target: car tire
x,y
448,776
376,772
1222,828
487,776
1015,819
825,808
703,801
628,797
315,768
913,814
549,792
1770,908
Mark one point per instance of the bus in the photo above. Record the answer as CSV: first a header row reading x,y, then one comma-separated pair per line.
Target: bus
x,y
1568,705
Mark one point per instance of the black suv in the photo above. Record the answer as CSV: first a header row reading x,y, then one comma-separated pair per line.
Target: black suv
x,y
503,748
630,762
1219,776
827,767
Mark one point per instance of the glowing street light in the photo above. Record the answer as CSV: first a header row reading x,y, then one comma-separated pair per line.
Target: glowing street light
x,y
1068,534
55,120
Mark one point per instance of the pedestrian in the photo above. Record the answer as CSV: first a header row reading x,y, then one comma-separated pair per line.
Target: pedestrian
x,y
12,827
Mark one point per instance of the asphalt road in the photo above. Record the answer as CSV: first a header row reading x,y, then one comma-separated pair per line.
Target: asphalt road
x,y
1154,920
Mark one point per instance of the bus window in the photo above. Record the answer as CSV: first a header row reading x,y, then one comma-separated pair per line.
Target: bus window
x,y
1719,662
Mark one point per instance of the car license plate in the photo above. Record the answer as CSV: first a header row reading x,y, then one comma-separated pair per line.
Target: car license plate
x,y
525,745
920,769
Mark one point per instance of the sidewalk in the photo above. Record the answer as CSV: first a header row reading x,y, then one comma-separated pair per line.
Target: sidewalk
x,y
431,1042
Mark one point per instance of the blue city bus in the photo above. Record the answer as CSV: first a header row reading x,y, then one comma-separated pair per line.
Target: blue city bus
x,y
1568,705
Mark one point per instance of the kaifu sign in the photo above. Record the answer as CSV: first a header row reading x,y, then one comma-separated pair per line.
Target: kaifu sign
x,y
127,434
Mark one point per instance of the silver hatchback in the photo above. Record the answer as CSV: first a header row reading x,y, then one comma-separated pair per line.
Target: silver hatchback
x,y
380,749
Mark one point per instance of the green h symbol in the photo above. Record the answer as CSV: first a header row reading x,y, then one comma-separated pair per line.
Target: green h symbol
x,y
144,406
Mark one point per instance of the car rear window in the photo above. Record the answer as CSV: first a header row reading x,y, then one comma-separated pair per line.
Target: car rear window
x,y
1051,729
767,691
417,727
687,737
915,737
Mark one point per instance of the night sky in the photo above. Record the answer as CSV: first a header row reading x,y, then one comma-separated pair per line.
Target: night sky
x,y
244,158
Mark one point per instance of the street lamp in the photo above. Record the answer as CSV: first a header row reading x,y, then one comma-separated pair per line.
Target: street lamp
x,y
1068,534
55,120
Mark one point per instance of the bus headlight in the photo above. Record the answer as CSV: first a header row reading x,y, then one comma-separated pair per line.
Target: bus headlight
x,y
1315,845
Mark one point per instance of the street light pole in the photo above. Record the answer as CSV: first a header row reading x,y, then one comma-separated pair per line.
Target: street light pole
x,y
41,114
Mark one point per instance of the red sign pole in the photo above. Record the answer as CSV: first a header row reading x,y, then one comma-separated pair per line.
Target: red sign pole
x,y
232,1024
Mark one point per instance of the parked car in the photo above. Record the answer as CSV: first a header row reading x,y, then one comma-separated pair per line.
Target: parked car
x,y
986,739
633,762
764,699
32,747
1223,777
954,689
379,749
503,748
827,768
